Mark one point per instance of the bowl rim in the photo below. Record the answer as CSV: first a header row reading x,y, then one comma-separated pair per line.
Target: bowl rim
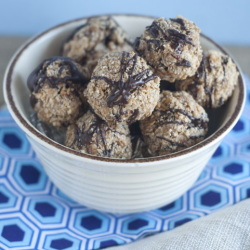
x,y
31,130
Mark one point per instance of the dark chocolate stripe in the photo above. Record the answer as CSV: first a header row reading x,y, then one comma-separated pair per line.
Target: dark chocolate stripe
x,y
202,67
38,76
209,64
134,116
176,36
197,122
202,73
154,29
179,21
105,27
177,39
84,138
121,90
184,63
172,142
193,88
190,125
172,34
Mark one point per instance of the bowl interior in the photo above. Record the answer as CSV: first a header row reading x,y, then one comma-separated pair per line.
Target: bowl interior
x,y
49,43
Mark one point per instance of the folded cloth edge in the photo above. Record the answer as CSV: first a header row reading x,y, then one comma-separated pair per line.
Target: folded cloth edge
x,y
228,228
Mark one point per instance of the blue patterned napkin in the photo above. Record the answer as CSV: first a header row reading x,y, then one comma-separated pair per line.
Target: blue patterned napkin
x,y
34,214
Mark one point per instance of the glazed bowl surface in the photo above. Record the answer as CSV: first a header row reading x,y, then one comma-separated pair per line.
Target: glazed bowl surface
x,y
113,185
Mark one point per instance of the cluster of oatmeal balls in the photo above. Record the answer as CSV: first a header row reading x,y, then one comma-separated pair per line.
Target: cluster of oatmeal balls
x,y
107,90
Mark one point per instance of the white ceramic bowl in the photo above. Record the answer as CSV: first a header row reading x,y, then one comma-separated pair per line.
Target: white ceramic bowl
x,y
120,186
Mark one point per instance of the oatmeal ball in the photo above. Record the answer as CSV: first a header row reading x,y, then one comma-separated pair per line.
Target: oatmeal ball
x,y
123,88
57,87
214,81
177,122
171,47
89,42
91,135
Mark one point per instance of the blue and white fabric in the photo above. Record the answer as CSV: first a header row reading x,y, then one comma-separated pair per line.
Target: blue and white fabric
x,y
34,214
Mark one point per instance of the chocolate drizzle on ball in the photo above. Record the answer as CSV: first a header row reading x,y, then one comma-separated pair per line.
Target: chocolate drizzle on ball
x,y
188,124
121,90
202,67
151,44
85,138
154,29
33,101
38,76
224,61
156,43
171,142
136,44
179,21
105,26
173,35
206,59
133,117
184,63
197,122
177,39
193,88
202,73
210,93
209,64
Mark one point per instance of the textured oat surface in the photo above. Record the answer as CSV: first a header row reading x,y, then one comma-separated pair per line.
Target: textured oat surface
x,y
171,47
214,84
92,135
63,104
8,46
133,100
177,122
97,37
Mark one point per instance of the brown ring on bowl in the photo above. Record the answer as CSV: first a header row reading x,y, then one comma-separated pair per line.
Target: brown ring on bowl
x,y
142,160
